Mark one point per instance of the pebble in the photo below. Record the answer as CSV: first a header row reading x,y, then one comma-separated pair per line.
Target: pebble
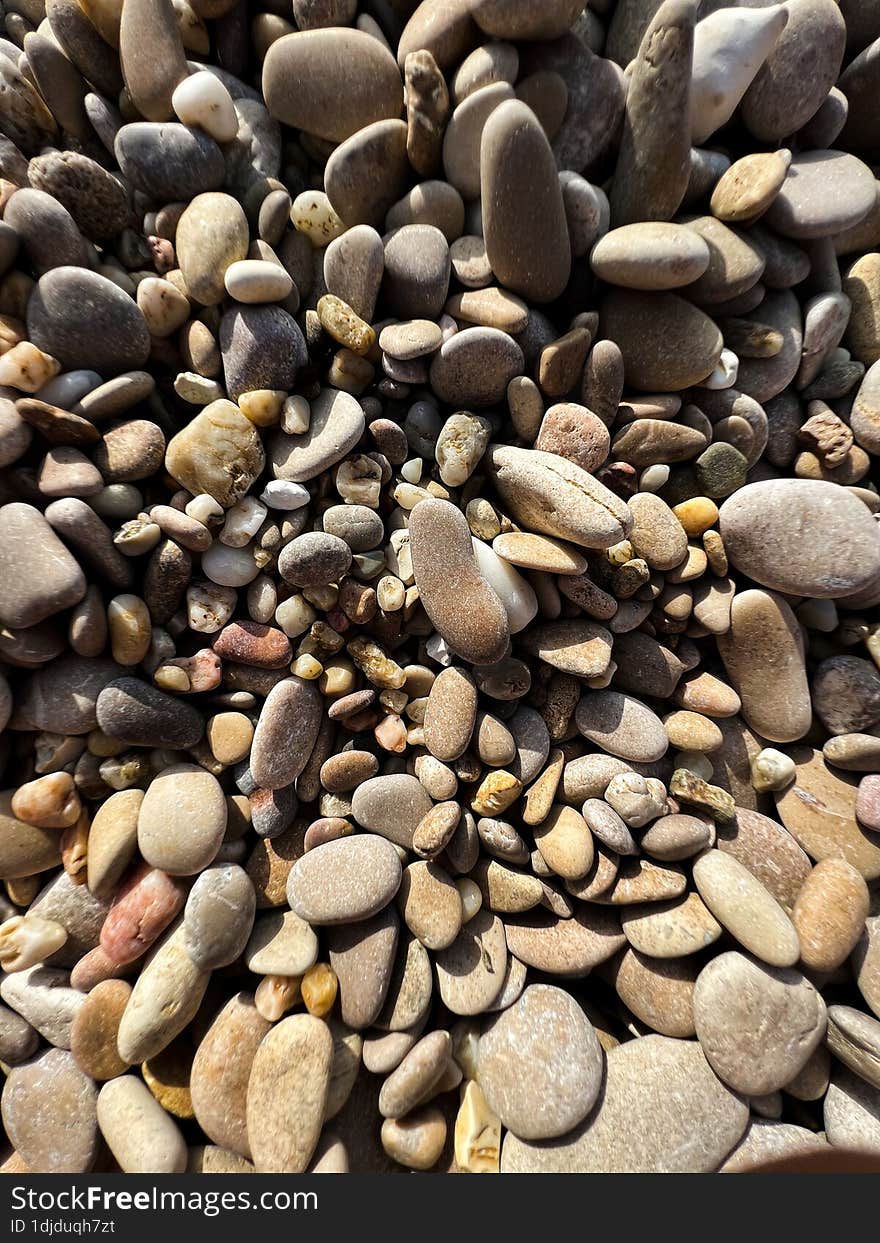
x,y
851,1113
140,1134
829,914
756,1024
565,947
317,60
546,1031
671,930
49,1114
854,1039
362,956
165,997
336,425
96,1027
667,343
843,552
470,971
818,809
416,1141
214,937
54,580
221,1069
650,255
450,714
633,1130
524,226
743,906
365,871
392,805
281,944
43,997
286,733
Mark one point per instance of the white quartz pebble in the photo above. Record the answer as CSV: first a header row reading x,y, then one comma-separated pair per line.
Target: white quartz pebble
x,y
203,100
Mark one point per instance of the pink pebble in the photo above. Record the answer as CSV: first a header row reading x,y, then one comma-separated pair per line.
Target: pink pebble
x,y
144,907
868,802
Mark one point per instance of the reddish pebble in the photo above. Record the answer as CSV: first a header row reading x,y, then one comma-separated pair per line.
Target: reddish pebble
x,y
204,669
144,907
252,643
95,967
326,829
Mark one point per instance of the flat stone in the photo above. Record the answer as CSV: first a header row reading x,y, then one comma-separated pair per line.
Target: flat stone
x,y
567,947
168,162
798,73
96,1027
40,576
764,643
746,909
362,955
830,914
818,809
367,172
391,805
768,851
165,997
650,255
667,343
767,1140
653,165
621,725
337,424
140,1134
474,367
672,929
757,1025
632,1130
846,695
287,1093
286,732
110,337
524,222
262,348
49,1112
555,497
138,714
659,993
826,546
221,1070
546,1035
346,880
219,915
473,621
470,972
824,193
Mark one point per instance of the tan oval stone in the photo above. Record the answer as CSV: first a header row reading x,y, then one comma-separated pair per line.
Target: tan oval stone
x,y
746,909
221,1070
830,913
565,842
764,647
756,1024
659,992
287,1092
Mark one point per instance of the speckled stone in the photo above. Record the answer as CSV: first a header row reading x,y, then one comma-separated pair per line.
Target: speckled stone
x,y
346,880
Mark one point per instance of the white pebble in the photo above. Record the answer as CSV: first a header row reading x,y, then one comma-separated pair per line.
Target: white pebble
x,y
772,770
412,470
243,521
313,215
282,494
724,375
515,593
653,479
294,616
296,415
436,648
203,508
209,606
203,100
192,387
257,280
230,567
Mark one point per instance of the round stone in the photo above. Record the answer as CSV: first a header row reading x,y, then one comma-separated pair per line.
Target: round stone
x,y
85,320
302,73
667,343
182,820
392,805
540,1064
219,915
336,425
49,1112
803,537
345,880
757,1025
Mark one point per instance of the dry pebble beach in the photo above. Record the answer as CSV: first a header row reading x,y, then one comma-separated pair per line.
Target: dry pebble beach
x,y
439,585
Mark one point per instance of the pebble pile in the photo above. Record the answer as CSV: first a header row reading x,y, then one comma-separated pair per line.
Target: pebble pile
x,y
439,584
